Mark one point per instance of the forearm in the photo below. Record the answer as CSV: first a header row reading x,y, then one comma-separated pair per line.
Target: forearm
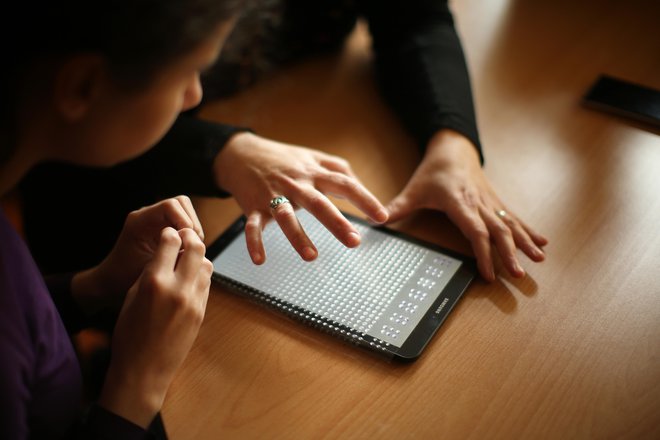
x,y
421,67
447,145
92,291
71,310
229,157
102,424
99,199
182,162
131,398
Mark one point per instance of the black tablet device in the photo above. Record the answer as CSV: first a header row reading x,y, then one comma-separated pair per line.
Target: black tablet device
x,y
389,295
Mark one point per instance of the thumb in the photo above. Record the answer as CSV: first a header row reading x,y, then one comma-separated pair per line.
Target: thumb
x,y
399,207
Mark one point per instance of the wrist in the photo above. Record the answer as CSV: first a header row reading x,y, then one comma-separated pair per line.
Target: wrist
x,y
87,290
447,146
96,289
129,397
228,157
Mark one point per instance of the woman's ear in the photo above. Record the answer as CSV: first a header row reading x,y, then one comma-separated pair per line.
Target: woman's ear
x,y
78,81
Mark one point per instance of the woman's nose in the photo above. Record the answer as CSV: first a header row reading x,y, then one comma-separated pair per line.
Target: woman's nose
x,y
193,94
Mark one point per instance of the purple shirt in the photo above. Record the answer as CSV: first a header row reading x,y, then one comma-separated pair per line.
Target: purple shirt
x,y
40,378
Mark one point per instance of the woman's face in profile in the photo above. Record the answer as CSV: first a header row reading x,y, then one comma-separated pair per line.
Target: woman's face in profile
x,y
124,124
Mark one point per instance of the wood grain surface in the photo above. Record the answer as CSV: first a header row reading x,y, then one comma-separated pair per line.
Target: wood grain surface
x,y
570,351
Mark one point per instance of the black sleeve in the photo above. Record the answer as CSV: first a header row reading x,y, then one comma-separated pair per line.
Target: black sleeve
x,y
72,316
73,215
100,424
421,67
182,161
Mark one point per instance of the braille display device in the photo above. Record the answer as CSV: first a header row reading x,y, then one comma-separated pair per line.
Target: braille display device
x,y
389,295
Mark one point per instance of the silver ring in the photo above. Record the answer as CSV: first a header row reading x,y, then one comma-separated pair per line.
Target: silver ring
x,y
500,213
277,201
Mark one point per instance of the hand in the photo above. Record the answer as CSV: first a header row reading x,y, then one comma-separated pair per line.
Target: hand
x,y
158,323
106,284
255,170
450,179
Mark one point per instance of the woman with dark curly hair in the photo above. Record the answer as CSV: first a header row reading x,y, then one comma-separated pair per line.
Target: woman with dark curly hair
x,y
96,83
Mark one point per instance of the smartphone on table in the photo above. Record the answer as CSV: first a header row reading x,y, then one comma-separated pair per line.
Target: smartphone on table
x,y
624,98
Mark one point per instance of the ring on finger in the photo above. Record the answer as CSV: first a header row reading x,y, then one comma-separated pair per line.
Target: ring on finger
x,y
501,213
277,201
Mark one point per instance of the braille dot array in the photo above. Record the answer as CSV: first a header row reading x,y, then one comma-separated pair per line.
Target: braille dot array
x,y
344,291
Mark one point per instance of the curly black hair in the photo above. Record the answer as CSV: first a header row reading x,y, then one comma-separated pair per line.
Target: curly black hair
x,y
137,38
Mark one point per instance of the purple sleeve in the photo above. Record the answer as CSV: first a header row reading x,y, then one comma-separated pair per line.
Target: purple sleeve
x,y
15,395
99,422
40,379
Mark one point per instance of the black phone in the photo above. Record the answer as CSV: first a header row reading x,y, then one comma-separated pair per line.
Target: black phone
x,y
624,98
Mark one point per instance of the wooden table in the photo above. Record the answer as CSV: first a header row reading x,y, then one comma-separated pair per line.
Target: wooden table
x,y
571,351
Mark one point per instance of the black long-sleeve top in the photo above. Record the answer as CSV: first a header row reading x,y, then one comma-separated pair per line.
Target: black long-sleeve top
x,y
73,214
421,67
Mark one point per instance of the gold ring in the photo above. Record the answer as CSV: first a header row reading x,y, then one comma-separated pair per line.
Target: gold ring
x,y
500,213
